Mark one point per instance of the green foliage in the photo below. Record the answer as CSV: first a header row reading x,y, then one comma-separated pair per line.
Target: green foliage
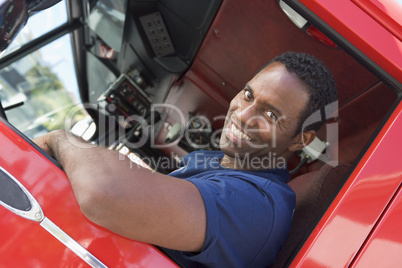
x,y
50,100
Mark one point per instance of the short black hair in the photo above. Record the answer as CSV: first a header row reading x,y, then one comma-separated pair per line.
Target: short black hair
x,y
320,85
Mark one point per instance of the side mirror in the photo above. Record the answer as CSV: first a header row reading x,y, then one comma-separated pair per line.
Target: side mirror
x,y
14,15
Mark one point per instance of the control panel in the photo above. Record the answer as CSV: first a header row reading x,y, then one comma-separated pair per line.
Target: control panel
x,y
125,98
157,34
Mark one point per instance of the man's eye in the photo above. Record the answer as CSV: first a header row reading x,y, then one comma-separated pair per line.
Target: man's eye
x,y
248,94
272,115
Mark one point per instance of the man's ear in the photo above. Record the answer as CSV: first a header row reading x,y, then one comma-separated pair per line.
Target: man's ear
x,y
302,140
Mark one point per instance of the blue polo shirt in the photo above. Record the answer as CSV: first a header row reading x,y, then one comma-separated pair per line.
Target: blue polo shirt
x,y
249,213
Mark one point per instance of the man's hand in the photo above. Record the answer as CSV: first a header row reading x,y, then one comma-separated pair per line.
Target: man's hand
x,y
43,143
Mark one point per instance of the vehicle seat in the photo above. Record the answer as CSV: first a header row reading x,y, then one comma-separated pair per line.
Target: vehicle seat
x,y
314,191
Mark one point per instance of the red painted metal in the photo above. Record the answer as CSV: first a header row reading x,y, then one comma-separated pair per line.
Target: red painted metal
x,y
361,217
387,235
350,219
363,31
25,243
385,12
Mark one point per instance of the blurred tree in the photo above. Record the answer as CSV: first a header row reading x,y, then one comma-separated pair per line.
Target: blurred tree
x,y
50,100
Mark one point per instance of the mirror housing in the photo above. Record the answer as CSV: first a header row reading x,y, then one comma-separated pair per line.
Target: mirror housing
x,y
14,15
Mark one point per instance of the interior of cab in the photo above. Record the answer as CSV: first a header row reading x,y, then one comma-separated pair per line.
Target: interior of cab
x,y
178,64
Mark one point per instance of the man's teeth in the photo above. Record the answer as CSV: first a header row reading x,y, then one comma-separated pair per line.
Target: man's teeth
x,y
238,133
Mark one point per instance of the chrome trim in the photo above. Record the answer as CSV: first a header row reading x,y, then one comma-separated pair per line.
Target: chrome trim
x,y
295,17
64,238
35,213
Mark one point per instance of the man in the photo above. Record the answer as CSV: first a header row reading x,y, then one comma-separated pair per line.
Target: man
x,y
221,209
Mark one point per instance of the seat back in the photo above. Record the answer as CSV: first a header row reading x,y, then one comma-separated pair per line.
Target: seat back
x,y
314,190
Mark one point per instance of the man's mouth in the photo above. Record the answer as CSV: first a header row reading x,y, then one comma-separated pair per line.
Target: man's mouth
x,y
238,133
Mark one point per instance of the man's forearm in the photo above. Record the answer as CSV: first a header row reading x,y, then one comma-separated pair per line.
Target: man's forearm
x,y
128,199
90,169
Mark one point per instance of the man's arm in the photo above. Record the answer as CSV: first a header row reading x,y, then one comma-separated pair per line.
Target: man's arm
x,y
128,199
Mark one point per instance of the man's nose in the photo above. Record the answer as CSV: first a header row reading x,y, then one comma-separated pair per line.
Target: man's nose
x,y
247,115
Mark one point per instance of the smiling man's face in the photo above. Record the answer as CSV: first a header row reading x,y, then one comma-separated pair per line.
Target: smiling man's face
x,y
262,118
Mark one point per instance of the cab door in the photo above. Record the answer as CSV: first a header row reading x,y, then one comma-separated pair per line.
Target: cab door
x,y
41,224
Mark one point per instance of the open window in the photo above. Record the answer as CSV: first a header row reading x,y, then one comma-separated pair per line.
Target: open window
x,y
38,85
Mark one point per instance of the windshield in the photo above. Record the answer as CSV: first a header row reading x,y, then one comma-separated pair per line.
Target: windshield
x,y
42,84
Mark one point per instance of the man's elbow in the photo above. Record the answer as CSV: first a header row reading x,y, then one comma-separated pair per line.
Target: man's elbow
x,y
91,204
91,193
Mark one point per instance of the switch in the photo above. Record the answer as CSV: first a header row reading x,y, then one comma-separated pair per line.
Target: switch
x,y
157,34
